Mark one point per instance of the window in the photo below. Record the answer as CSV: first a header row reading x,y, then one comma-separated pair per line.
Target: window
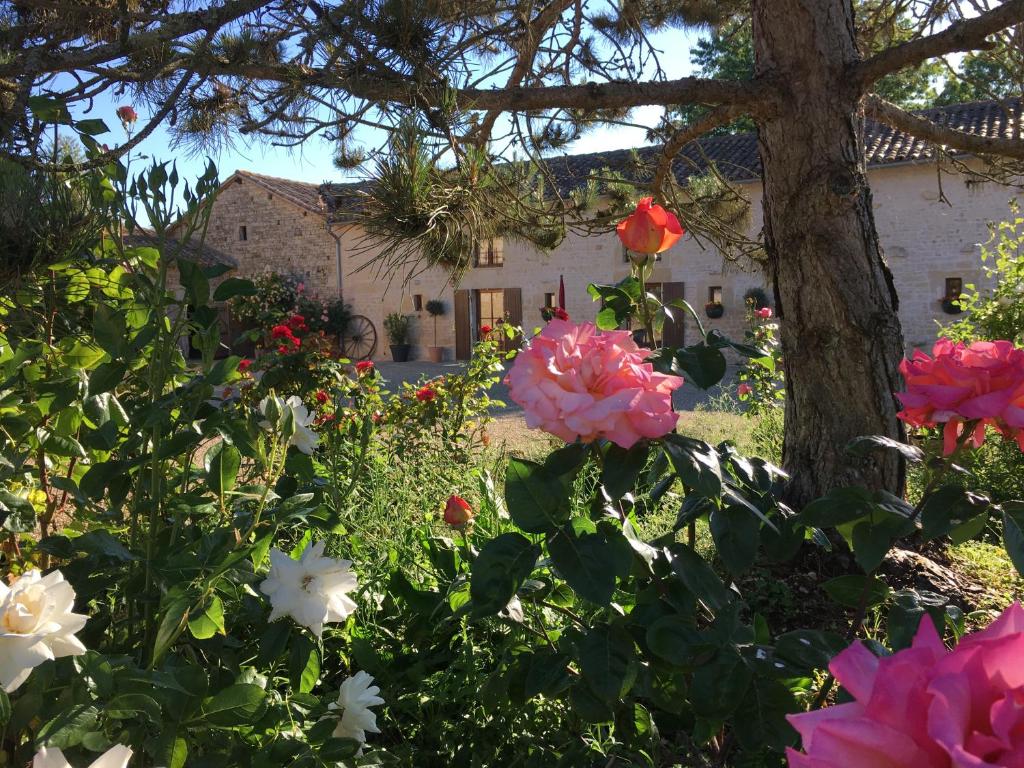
x,y
491,306
626,259
715,294
243,234
417,302
954,287
489,254
549,299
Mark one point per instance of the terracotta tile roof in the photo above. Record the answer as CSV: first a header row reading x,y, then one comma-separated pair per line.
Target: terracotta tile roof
x,y
301,193
205,255
737,159
735,155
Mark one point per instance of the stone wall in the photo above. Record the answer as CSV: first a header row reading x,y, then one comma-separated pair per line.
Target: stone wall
x,y
925,239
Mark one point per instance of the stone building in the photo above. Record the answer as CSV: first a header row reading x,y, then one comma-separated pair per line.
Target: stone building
x,y
929,233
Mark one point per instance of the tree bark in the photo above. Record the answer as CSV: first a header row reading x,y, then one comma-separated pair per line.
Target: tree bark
x,y
841,336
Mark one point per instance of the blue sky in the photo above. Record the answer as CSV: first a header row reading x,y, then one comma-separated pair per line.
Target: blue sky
x,y
312,161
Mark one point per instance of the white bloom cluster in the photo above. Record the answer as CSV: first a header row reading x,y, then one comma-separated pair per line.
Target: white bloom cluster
x,y
36,624
312,590
115,757
302,437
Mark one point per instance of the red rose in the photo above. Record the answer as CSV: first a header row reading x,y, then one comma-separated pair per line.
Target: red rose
x,y
281,332
457,511
321,396
244,365
425,394
560,314
485,329
282,350
298,323
649,229
127,115
364,366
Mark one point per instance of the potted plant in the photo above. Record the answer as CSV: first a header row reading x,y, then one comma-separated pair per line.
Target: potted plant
x,y
396,326
435,308
714,309
951,305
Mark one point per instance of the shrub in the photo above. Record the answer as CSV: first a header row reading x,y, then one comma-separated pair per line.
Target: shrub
x,y
396,326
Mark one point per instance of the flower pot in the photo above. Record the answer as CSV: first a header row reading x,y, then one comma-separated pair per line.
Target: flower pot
x,y
435,354
714,311
400,352
951,306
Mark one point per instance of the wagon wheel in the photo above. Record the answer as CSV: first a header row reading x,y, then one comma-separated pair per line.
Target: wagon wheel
x,y
359,339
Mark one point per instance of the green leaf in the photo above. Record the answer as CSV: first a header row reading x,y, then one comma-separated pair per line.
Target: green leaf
x,y
537,501
60,445
837,507
105,377
608,661
499,571
48,110
699,578
175,618
705,366
82,355
304,664
851,590
93,127
209,621
736,533
127,705
109,330
873,540
67,729
1013,535
236,705
865,444
222,463
17,515
950,507
720,685
273,642
232,287
677,641
590,563
760,721
908,608
807,649
696,463
548,674
102,543
622,467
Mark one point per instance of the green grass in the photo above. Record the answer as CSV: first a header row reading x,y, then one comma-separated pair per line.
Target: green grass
x,y
988,564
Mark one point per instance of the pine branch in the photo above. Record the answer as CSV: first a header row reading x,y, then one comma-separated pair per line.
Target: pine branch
x,y
965,35
888,113
717,117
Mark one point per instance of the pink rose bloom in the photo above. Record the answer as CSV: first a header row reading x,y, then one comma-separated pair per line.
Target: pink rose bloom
x,y
925,706
764,313
575,381
983,382
744,389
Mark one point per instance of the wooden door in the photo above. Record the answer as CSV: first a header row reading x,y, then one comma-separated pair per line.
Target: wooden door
x,y
463,341
673,334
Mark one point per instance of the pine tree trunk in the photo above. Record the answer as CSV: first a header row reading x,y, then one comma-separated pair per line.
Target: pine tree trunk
x,y
841,336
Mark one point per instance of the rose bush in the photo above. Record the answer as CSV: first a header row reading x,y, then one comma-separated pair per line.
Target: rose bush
x,y
271,577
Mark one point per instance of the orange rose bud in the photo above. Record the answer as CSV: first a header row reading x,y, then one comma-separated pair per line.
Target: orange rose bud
x,y
457,511
649,229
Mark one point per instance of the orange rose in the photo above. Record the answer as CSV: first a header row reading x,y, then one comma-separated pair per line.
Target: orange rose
x,y
649,229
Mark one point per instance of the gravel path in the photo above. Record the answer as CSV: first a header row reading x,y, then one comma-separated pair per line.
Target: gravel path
x,y
686,398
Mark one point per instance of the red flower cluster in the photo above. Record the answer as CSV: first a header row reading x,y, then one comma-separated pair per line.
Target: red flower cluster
x,y
298,323
321,396
286,333
553,313
982,382
364,366
425,394
485,329
244,365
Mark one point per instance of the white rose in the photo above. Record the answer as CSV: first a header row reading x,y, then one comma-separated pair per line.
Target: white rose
x,y
303,438
312,590
354,701
36,624
115,757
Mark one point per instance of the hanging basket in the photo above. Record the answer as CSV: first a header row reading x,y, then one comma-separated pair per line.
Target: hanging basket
x,y
714,311
951,306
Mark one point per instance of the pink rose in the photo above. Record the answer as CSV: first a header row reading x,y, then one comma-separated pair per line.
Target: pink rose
x,y
744,389
983,382
576,382
925,706
764,313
